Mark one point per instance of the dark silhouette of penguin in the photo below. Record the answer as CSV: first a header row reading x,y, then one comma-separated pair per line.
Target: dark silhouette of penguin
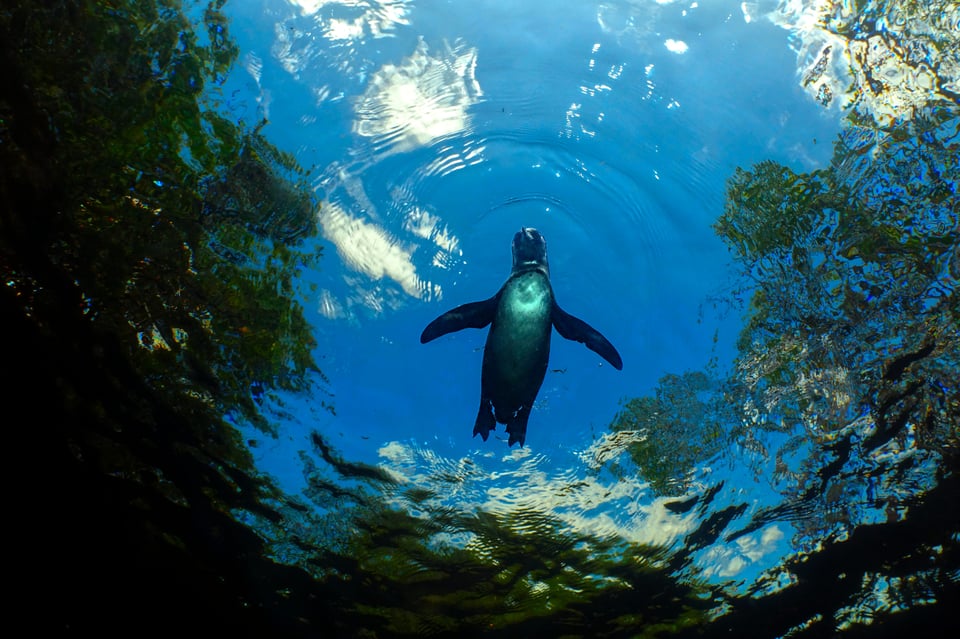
x,y
515,356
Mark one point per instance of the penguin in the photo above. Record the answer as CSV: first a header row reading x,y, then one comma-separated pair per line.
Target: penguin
x,y
521,316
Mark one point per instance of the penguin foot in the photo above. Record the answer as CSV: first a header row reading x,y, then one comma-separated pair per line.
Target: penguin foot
x,y
517,427
485,420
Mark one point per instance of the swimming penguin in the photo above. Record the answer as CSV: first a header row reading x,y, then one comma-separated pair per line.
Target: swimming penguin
x,y
518,344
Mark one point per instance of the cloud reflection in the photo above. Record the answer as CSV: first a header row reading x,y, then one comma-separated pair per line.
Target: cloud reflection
x,y
522,483
421,99
675,46
731,559
427,226
369,249
309,42
376,17
632,21
383,262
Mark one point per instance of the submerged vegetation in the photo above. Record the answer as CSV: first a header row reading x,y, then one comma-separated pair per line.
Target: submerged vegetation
x,y
149,249
844,391
426,568
174,227
682,424
847,371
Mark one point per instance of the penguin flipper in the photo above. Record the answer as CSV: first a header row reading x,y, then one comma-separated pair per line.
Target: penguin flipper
x,y
577,330
472,315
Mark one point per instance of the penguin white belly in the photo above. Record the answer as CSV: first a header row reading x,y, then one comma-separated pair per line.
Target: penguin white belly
x,y
518,346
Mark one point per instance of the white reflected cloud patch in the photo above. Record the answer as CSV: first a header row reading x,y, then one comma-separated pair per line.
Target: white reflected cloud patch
x,y
425,97
378,18
731,559
329,306
309,7
254,66
381,265
631,21
369,249
426,225
675,46
310,41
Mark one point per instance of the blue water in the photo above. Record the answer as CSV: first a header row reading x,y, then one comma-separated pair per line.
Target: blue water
x,y
435,130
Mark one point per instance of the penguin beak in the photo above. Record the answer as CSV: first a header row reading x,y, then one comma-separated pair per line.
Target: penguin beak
x,y
529,247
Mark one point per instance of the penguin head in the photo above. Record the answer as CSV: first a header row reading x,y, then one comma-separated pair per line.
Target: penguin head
x,y
529,250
